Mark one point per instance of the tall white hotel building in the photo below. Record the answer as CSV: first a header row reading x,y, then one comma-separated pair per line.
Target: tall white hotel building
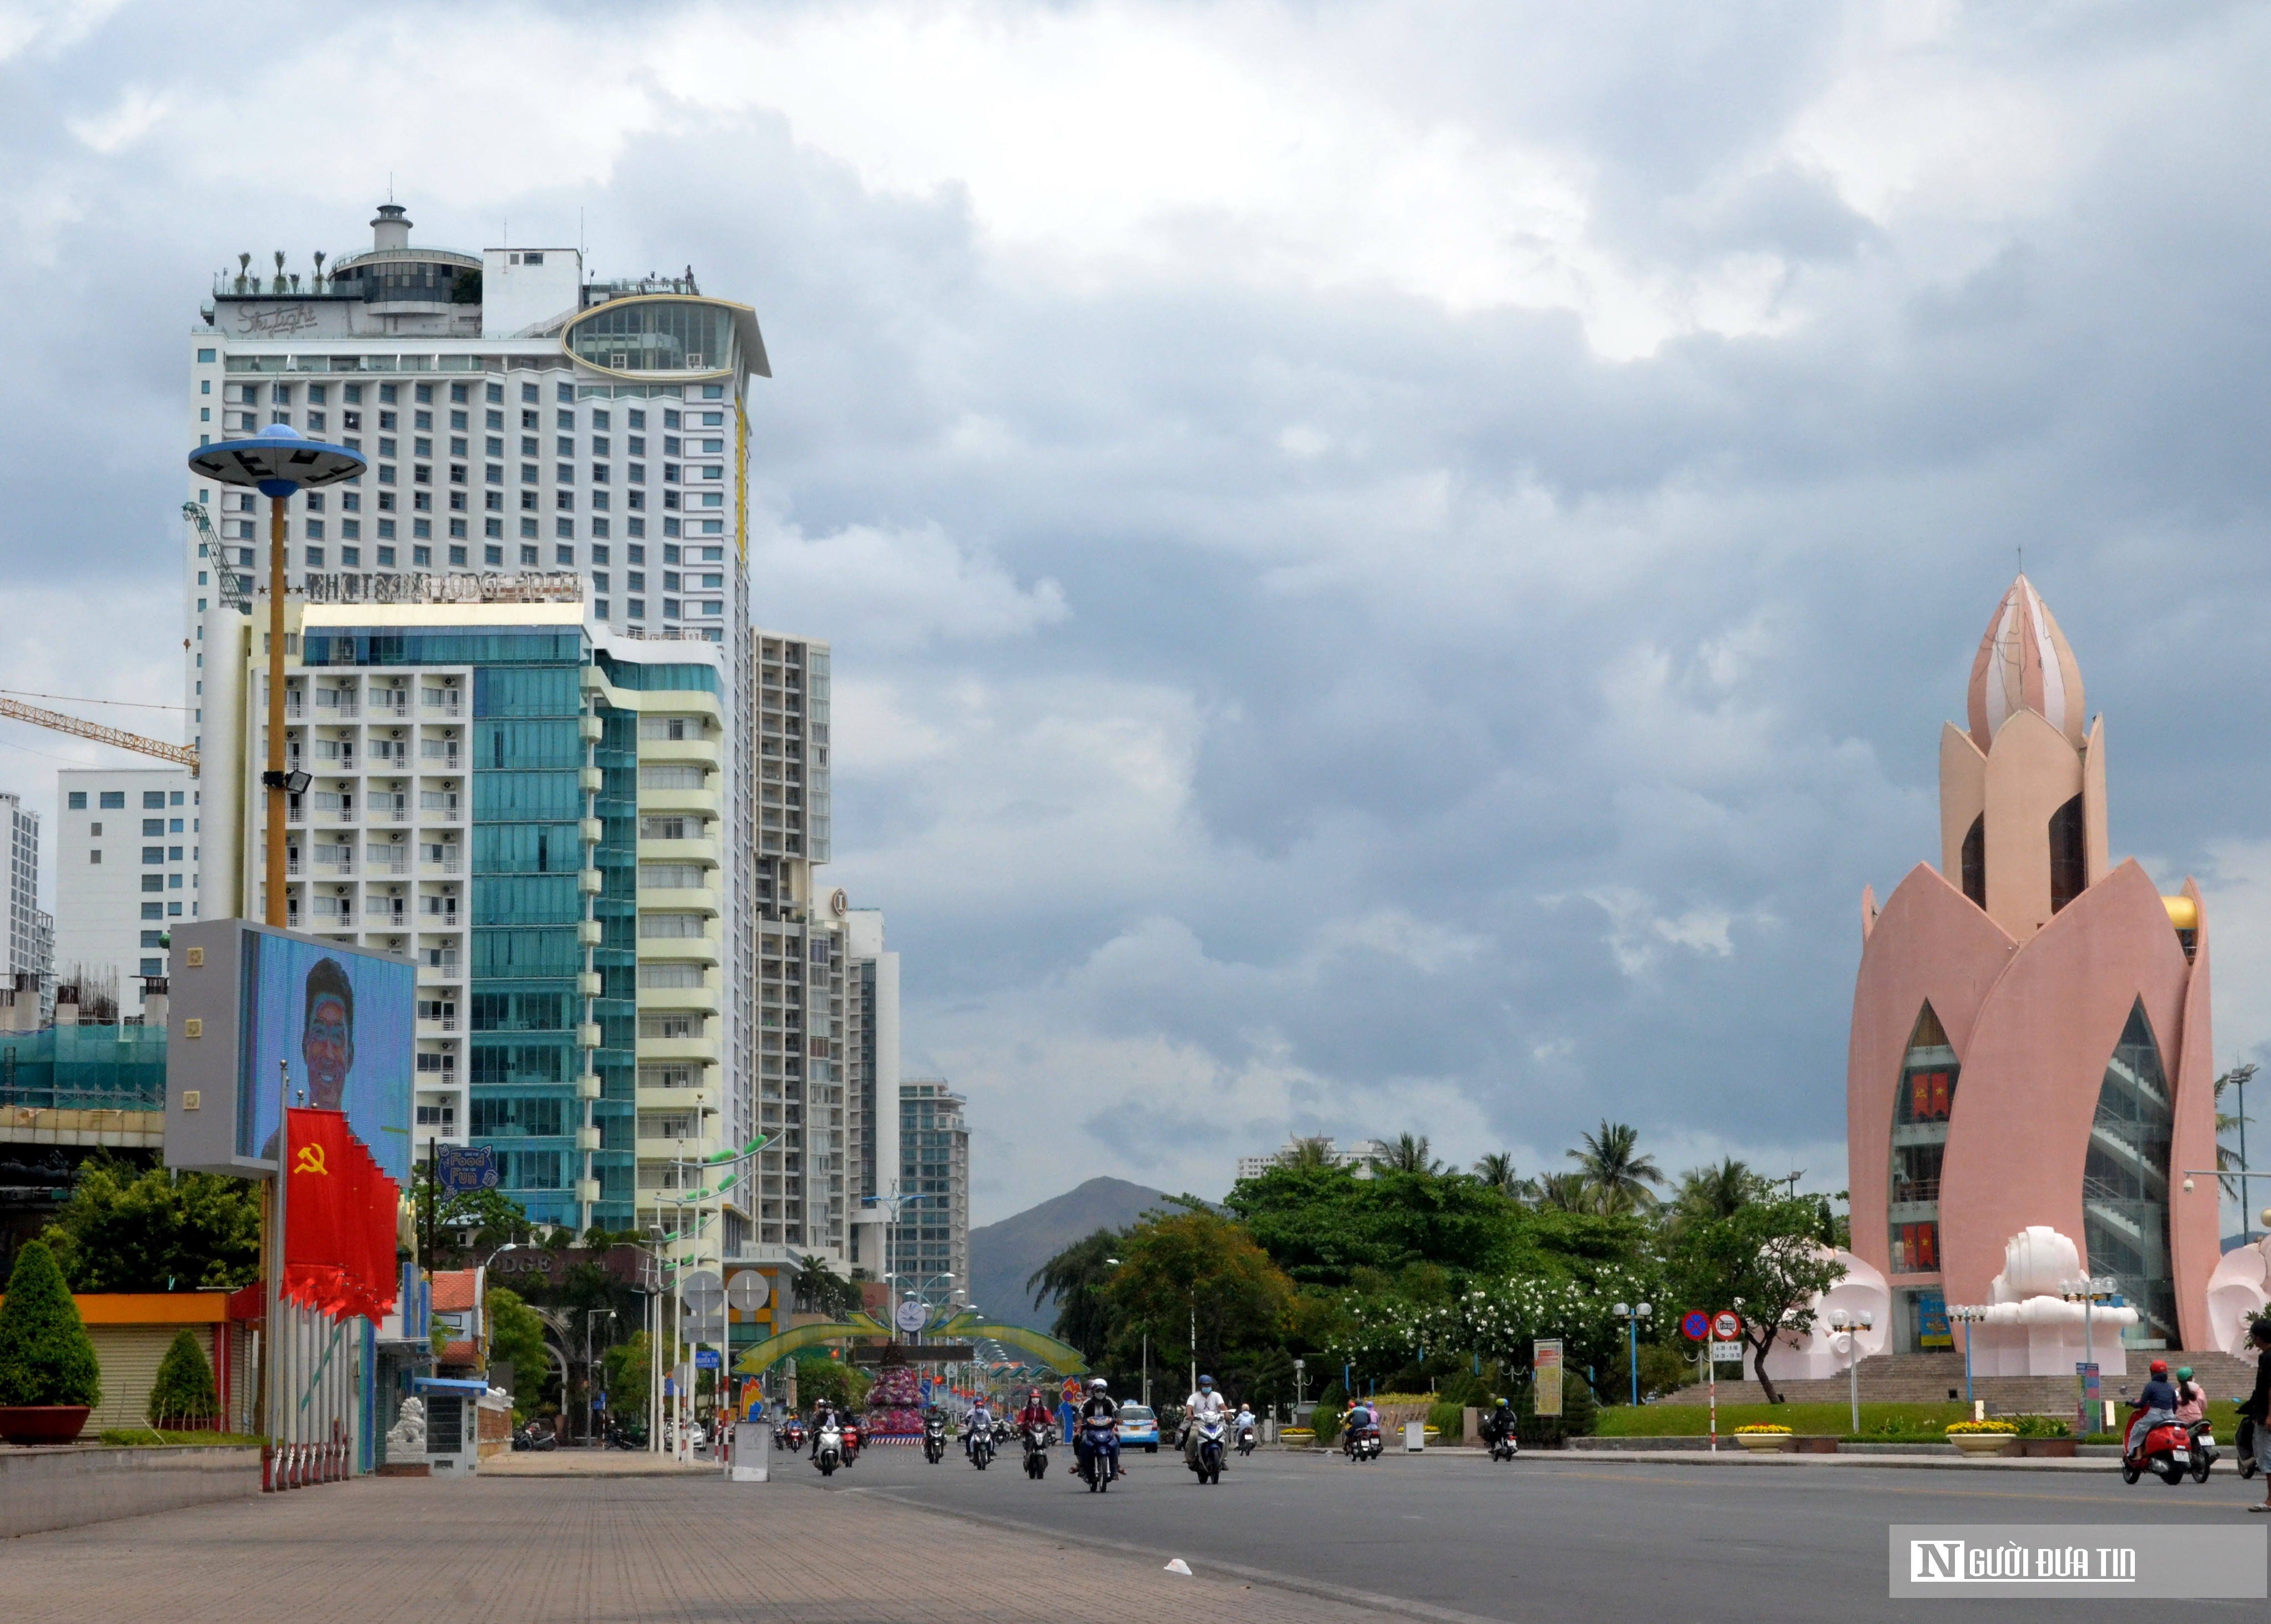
x,y
537,439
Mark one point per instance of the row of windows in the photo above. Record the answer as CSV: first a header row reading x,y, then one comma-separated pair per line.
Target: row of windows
x,y
493,394
601,526
114,800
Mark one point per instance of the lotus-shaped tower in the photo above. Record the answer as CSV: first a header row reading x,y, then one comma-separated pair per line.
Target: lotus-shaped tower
x,y
2030,1041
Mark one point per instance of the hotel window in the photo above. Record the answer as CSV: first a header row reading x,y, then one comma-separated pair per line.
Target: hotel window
x,y
2125,1183
350,558
2069,855
315,558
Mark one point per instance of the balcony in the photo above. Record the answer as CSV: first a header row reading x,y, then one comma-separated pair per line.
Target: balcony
x,y
345,710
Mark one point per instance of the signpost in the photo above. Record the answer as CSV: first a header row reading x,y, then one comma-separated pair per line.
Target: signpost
x,y
1545,1366
2092,1395
708,1358
1724,1329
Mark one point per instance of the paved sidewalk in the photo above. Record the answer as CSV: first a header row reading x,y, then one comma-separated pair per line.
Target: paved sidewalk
x,y
595,1463
619,1551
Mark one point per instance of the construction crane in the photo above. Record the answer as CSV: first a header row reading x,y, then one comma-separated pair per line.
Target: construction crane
x,y
235,590
180,754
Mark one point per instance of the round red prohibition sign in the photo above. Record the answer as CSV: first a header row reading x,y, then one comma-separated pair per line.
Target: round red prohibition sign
x,y
1725,1326
1695,1325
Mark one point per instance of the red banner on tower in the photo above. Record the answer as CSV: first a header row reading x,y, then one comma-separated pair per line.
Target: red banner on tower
x,y
339,1220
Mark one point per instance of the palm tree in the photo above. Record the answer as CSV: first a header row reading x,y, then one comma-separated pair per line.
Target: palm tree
x,y
1612,1164
1409,1155
1075,1277
1567,1192
2228,1161
1497,1171
1716,1192
1306,1155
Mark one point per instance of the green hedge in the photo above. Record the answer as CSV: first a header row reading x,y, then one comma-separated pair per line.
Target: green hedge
x,y
46,1357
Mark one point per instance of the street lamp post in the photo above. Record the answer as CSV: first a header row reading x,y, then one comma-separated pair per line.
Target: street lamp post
x,y
1632,1314
1849,1326
279,462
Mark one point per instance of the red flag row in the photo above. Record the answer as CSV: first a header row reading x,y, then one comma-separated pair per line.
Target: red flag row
x,y
338,1219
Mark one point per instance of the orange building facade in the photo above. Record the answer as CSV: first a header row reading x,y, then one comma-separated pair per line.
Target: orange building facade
x,y
2030,1041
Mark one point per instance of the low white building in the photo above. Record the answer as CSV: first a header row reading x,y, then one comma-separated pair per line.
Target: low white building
x,y
1361,1153
126,871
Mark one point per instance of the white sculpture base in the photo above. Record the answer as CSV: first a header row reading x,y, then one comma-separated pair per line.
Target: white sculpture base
x,y
2052,1349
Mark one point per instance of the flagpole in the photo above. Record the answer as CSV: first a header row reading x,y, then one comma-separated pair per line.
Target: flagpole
x,y
278,1341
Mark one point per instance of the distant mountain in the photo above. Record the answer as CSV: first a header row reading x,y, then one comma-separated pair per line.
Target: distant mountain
x,y
1004,1255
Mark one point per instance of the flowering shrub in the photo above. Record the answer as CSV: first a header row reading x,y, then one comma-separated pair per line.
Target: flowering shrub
x,y
1761,1427
1975,1428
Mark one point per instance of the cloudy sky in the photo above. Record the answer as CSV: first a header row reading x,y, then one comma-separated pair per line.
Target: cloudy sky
x,y
1391,567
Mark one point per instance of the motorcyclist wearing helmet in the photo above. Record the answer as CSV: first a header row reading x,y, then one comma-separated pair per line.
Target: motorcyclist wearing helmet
x,y
1100,1411
822,1414
2155,1404
979,1420
2192,1398
1499,1423
1036,1413
1201,1403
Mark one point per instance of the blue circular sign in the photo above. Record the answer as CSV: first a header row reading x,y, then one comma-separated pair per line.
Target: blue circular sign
x,y
1695,1325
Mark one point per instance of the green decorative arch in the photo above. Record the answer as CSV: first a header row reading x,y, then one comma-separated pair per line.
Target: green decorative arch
x,y
762,1356
1061,1357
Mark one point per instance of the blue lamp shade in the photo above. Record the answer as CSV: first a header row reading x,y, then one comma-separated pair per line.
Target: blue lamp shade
x,y
278,462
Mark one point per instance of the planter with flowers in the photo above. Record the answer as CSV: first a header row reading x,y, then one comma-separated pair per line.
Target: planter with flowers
x,y
1981,1439
1764,1440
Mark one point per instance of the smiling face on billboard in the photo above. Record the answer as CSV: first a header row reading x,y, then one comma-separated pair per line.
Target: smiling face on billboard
x,y
327,1034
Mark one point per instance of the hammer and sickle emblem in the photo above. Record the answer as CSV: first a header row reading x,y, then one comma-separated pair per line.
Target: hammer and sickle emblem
x,y
310,1160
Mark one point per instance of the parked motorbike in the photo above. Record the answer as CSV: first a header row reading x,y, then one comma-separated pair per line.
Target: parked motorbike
x,y
2205,1453
1037,1452
830,1455
934,1438
2165,1450
619,1437
1097,1451
1246,1438
1212,1432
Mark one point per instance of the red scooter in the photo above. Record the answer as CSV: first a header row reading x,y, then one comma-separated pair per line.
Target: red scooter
x,y
2166,1450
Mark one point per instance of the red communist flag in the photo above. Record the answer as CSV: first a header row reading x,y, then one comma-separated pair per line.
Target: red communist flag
x,y
338,1219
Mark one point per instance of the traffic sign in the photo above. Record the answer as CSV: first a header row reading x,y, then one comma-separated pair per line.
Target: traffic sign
x,y
1727,1352
1695,1325
708,1358
1725,1326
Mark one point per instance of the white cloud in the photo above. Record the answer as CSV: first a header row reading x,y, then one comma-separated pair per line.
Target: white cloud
x,y
882,591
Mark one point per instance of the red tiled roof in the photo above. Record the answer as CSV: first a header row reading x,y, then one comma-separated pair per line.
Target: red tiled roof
x,y
454,1290
460,1354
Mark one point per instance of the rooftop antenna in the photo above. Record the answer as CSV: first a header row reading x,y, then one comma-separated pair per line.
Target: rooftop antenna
x,y
390,185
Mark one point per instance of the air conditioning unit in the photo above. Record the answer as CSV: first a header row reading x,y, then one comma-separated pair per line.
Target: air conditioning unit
x,y
694,359
619,359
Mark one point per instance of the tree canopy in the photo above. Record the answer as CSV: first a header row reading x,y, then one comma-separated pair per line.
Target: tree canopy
x,y
130,1229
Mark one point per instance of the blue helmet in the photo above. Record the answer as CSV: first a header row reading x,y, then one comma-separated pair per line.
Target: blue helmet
x,y
1206,1381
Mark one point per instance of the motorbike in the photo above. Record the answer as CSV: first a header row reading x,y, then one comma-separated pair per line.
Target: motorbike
x,y
791,1436
934,1438
2165,1450
2245,1444
981,1446
1363,1443
830,1455
1246,1438
851,1442
619,1437
2205,1453
533,1437
1211,1431
1504,1446
1097,1452
1037,1452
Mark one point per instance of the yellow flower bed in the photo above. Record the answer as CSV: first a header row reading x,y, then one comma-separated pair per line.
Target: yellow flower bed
x,y
2008,1429
1756,1427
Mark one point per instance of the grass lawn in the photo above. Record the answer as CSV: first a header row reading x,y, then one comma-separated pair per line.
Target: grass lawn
x,y
146,1437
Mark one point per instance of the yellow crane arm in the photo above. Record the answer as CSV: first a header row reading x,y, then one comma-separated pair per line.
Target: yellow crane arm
x,y
180,754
